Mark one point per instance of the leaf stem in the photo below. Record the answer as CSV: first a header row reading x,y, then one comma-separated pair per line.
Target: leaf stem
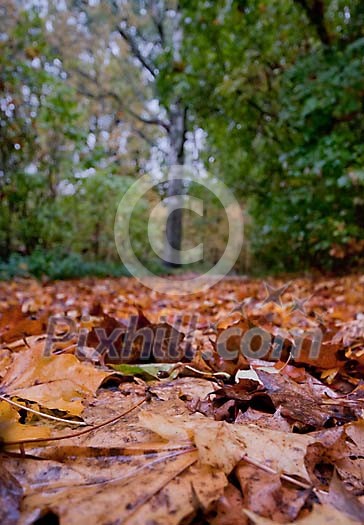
x,y
286,477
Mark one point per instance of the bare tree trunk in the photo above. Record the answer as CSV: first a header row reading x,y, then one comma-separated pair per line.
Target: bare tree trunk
x,y
176,157
174,226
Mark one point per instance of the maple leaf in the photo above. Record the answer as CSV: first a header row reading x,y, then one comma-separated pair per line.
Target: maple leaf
x,y
59,382
144,455
222,445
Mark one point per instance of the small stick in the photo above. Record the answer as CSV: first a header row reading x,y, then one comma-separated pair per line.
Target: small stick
x,y
207,374
143,449
286,363
286,477
344,402
48,416
76,434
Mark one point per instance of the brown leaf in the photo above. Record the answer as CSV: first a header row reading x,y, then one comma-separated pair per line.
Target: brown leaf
x,y
141,341
274,422
172,466
343,500
229,509
265,494
10,497
320,515
300,403
222,446
15,324
57,382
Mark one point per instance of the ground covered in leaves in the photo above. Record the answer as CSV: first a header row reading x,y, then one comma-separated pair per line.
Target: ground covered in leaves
x,y
201,434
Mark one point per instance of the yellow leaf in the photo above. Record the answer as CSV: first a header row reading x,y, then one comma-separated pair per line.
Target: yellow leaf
x,y
55,382
12,430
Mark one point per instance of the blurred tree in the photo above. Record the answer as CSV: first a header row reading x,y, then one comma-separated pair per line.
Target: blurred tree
x,y
94,93
278,86
127,54
40,131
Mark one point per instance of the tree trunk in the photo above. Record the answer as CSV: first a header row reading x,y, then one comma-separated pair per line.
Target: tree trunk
x,y
315,11
173,237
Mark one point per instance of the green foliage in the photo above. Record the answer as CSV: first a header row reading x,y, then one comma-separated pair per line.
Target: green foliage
x,y
41,131
318,204
276,85
57,265
281,97
54,192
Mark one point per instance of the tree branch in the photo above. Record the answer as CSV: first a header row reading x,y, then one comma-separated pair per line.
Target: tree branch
x,y
157,18
111,94
134,48
184,131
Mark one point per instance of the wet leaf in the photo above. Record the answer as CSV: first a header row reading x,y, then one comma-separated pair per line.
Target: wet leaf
x,y
10,497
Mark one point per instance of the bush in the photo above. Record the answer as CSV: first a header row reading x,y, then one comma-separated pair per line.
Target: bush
x,y
57,265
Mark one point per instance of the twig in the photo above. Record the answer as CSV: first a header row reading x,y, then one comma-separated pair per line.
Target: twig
x,y
76,434
48,416
286,477
207,374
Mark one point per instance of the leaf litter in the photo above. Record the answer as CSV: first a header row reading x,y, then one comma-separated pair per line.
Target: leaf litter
x,y
194,437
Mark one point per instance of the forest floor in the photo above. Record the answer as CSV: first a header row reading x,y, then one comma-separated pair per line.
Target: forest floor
x,y
240,404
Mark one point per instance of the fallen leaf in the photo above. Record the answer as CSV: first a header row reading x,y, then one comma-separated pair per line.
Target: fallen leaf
x,y
229,508
265,494
148,371
320,515
172,466
10,497
56,382
12,430
15,324
343,500
222,446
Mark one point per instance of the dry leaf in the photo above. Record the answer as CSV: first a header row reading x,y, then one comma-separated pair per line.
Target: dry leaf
x,y
12,430
169,466
222,445
10,498
320,515
229,508
343,500
265,494
56,382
